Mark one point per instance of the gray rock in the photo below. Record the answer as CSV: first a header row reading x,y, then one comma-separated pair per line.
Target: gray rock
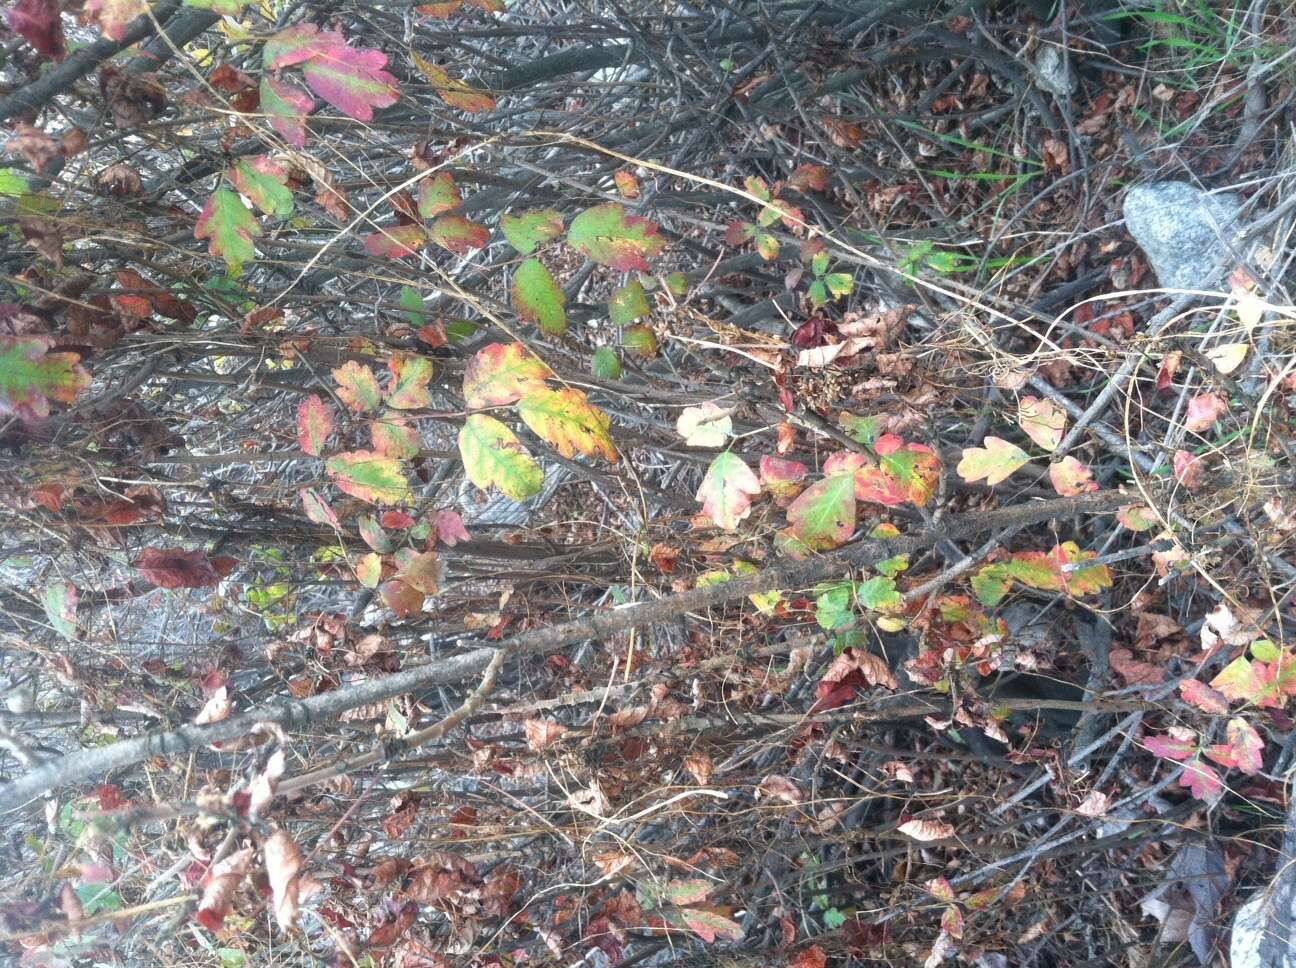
x,y
1184,232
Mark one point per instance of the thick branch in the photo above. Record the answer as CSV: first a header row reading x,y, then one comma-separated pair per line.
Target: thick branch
x,y
90,764
184,28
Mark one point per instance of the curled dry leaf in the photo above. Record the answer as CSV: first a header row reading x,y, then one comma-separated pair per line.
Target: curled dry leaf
x,y
218,888
543,733
706,425
1096,804
283,862
780,788
218,707
926,830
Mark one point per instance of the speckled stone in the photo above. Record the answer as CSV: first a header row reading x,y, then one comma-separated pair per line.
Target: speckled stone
x,y
1183,231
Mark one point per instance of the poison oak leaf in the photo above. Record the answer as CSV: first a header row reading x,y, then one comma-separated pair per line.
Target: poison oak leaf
x,y
727,490
438,194
1244,749
409,379
357,387
315,424
494,457
995,462
370,477
458,234
566,419
501,373
823,516
1042,420
112,17
229,226
611,237
527,231
1202,781
31,376
1070,477
1197,693
287,106
537,297
1178,745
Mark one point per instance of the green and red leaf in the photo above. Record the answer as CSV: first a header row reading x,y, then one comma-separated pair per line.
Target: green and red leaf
x,y
287,106
1042,420
351,79
499,374
396,241
409,379
31,376
628,303
438,195
454,92
370,477
357,387
229,226
611,237
823,517
265,184
458,234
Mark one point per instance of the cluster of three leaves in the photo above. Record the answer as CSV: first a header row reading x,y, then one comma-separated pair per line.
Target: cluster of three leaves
x,y
507,374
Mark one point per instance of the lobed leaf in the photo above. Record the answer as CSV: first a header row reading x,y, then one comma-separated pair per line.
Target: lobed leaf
x,y
727,490
611,237
494,457
315,424
823,517
31,376
566,419
499,374
370,477
229,226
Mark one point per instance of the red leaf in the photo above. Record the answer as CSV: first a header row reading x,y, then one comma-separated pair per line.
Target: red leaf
x,y
1171,747
1203,696
175,568
449,527
1203,781
219,886
38,23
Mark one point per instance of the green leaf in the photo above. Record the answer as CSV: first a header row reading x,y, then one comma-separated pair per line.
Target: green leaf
x,y
865,430
767,246
226,8
527,231
370,477
610,237
265,184
640,340
411,303
628,303
30,377
817,294
840,283
677,283
566,419
727,490
13,182
537,298
879,594
834,607
605,365
823,516
494,457
438,195
60,601
499,374
229,226
410,374
995,462
991,584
